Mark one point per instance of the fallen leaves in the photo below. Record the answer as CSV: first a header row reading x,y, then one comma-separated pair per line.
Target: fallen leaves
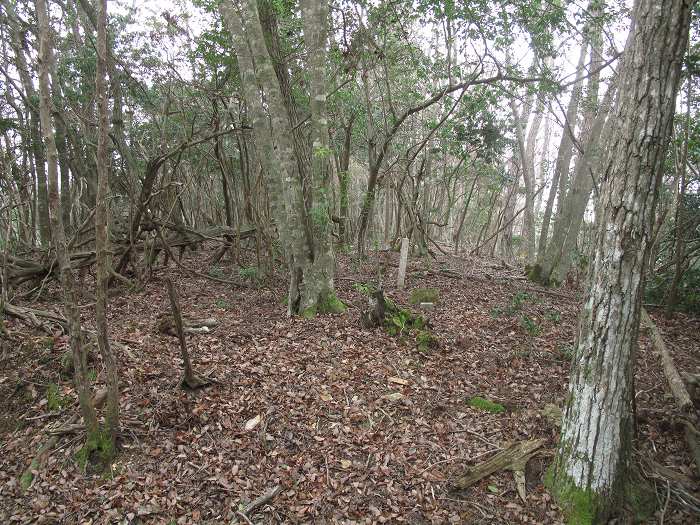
x,y
353,425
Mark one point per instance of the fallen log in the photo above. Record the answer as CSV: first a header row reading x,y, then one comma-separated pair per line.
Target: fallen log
x,y
32,317
678,389
514,458
675,382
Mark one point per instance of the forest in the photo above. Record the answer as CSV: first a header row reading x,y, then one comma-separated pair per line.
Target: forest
x,y
349,261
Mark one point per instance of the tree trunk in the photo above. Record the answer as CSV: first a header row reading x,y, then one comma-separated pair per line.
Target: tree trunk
x,y
58,234
35,138
557,259
679,219
592,467
102,250
563,154
305,225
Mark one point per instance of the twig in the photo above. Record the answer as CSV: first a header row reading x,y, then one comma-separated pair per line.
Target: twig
x,y
668,496
260,501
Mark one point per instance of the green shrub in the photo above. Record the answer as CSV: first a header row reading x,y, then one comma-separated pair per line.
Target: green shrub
x,y
688,290
217,273
248,274
486,405
426,340
553,316
364,288
222,303
529,325
54,398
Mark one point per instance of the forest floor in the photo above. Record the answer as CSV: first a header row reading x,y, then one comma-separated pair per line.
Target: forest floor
x,y
354,425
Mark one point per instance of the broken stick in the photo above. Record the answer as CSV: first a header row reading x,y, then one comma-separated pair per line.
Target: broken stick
x,y
261,500
514,458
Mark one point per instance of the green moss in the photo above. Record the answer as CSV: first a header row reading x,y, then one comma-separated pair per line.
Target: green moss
x,y
426,340
98,450
332,305
534,272
309,313
486,405
424,295
329,305
25,481
585,507
579,505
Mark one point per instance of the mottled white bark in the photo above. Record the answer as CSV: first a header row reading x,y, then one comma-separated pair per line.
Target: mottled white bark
x,y
594,452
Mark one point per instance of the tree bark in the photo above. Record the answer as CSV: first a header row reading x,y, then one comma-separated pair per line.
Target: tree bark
x,y
679,219
593,463
564,153
102,250
58,234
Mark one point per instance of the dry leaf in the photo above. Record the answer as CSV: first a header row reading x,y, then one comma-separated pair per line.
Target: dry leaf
x,y
254,422
394,396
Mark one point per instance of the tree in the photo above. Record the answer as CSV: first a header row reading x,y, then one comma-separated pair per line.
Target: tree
x,y
304,213
58,234
592,468
103,258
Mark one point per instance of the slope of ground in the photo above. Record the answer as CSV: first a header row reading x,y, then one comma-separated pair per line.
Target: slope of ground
x,y
353,425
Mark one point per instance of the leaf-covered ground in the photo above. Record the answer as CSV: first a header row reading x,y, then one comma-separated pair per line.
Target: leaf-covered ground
x,y
354,425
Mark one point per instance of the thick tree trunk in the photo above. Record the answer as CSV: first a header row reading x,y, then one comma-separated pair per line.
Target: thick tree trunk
x,y
305,225
592,466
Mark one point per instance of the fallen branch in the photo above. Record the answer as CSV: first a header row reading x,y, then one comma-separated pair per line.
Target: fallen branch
x,y
512,458
262,500
32,317
680,393
678,389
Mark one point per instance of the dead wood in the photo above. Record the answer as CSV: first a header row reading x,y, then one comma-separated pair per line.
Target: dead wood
x,y
262,500
514,458
374,316
680,393
33,317
678,389
189,380
166,325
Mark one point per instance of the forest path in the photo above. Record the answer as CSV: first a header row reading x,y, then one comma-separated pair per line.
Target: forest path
x,y
354,425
